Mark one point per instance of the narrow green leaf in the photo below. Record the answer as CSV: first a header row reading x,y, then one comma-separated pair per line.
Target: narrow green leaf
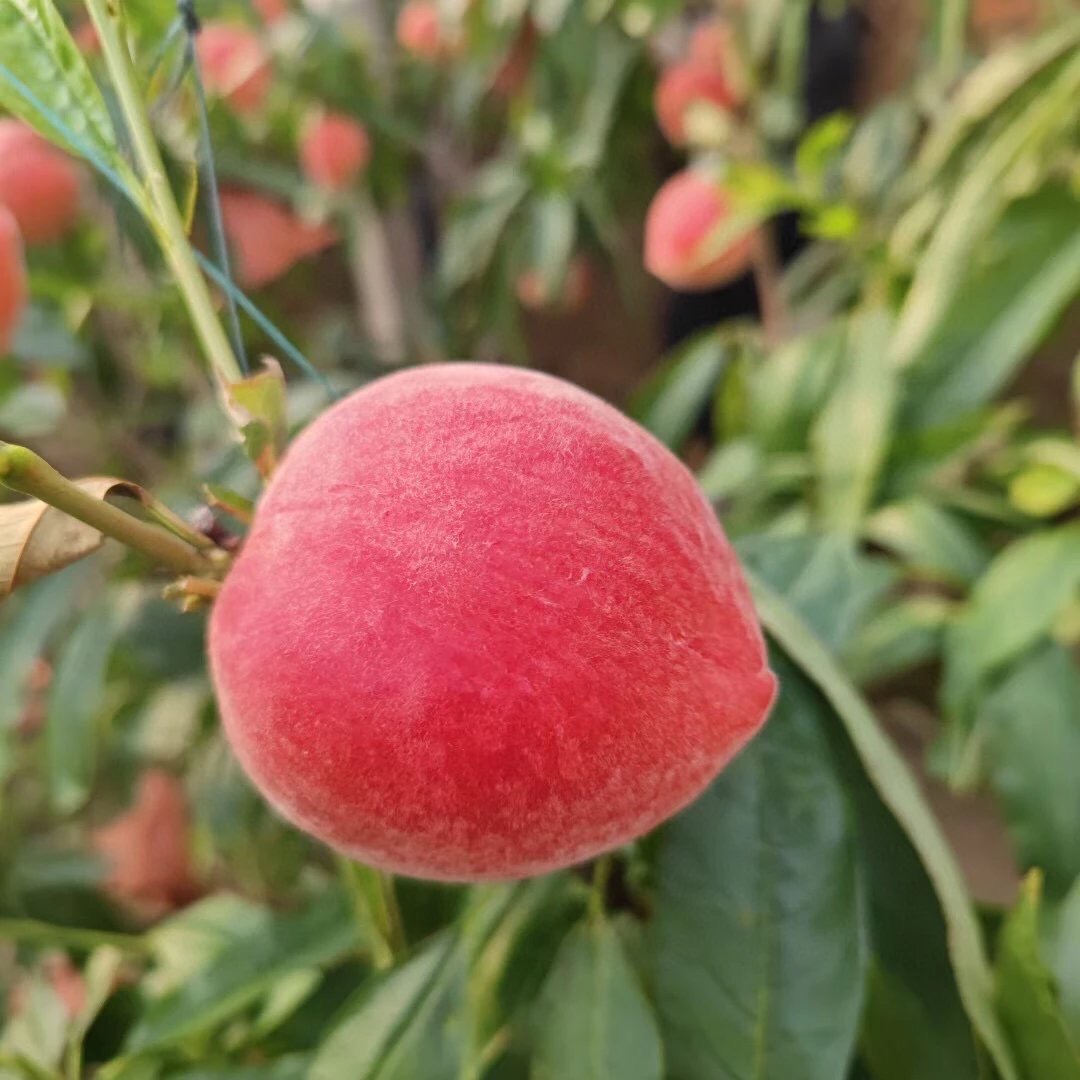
x,y
1012,605
672,401
1026,273
391,1029
759,939
1031,728
1026,997
850,438
932,541
900,792
76,697
592,1020
251,965
903,635
1063,955
553,230
36,48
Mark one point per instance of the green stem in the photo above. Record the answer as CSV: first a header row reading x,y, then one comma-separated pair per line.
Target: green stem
x,y
376,907
166,220
36,932
598,893
22,470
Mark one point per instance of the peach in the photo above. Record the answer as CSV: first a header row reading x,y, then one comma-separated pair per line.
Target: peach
x,y
484,626
271,11
685,86
334,150
680,230
420,31
38,184
265,238
12,279
234,66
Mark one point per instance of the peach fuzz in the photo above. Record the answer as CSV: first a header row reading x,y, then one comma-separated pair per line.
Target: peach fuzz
x,y
680,227
682,87
265,238
38,184
484,626
334,150
13,290
234,66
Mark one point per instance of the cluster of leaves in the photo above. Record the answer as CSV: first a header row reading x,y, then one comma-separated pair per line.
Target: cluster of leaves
x,y
902,527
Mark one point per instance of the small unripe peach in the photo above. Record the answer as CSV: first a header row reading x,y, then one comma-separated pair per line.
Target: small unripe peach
x,y
234,66
12,279
334,150
420,31
685,86
484,626
576,286
265,239
38,184
681,230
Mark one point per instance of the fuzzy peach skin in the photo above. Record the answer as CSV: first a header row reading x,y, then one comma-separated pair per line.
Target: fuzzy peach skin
x,y
484,626
684,86
38,184
681,225
334,150
12,279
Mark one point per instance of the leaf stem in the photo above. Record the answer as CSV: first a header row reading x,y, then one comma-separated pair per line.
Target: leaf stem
x,y
22,470
165,220
376,906
36,932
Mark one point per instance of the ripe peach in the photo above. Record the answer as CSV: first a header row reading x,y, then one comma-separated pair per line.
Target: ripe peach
x,y
576,286
271,11
12,279
265,238
334,150
684,86
38,183
484,626
234,66
420,31
680,227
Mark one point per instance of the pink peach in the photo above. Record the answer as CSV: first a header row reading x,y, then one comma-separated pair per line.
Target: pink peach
x,y
484,626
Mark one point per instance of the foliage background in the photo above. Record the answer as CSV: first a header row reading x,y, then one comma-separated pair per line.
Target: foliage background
x,y
897,464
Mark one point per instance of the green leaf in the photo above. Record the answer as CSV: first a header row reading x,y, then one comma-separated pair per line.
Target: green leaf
x,y
1031,728
983,93
26,627
759,947
932,541
472,237
394,1026
671,402
905,634
253,963
1026,998
592,1020
972,210
291,1067
833,586
879,150
1012,605
899,791
1024,275
850,438
820,147
257,405
37,50
789,387
553,230
76,697
1063,955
